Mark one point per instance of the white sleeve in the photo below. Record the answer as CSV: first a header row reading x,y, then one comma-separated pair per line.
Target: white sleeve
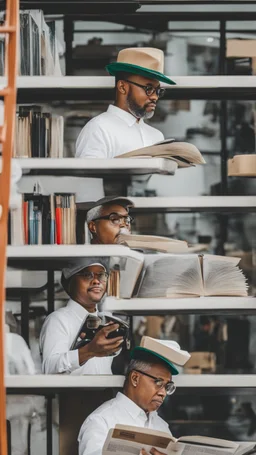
x,y
93,142
92,436
55,348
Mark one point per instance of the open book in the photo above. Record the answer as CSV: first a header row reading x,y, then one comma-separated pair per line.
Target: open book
x,y
184,153
185,275
158,243
127,440
167,348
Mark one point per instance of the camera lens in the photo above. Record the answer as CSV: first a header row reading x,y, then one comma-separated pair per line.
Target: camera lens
x,y
93,322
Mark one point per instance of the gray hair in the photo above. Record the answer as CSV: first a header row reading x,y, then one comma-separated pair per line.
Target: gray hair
x,y
136,364
93,213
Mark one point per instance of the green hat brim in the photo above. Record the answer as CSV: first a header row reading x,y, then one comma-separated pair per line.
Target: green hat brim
x,y
117,67
137,353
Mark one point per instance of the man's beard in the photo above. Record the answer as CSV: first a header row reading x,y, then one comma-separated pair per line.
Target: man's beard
x,y
138,111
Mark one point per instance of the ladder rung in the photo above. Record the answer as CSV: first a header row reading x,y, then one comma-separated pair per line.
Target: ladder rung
x,y
7,29
4,91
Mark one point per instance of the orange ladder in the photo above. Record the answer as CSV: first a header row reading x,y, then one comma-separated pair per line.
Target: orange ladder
x,y
11,30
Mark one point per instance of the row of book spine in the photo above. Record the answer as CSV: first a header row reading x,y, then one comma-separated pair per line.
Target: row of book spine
x,y
38,134
38,46
44,220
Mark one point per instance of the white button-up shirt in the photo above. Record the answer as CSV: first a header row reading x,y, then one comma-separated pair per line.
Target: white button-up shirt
x,y
113,133
121,410
56,337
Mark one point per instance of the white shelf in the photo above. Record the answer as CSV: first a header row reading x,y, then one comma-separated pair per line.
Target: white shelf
x,y
183,305
97,166
98,82
179,203
61,382
70,251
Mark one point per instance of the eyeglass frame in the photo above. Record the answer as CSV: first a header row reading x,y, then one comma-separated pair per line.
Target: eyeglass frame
x,y
156,90
107,217
93,276
158,379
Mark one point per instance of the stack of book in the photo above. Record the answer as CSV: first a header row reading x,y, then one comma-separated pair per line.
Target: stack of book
x,y
38,50
38,134
44,219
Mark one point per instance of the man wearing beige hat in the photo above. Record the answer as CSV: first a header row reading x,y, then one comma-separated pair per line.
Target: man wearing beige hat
x,y
138,73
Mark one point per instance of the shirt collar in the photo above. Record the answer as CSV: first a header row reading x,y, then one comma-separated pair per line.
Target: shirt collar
x,y
134,410
123,115
78,309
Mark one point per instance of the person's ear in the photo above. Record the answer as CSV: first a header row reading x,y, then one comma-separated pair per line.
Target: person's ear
x,y
92,227
135,378
122,87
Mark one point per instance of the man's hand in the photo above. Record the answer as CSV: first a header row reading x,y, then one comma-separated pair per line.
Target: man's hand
x,y
152,451
101,346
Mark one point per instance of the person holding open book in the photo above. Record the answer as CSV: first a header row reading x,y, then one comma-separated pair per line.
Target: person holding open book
x,y
138,73
63,338
148,381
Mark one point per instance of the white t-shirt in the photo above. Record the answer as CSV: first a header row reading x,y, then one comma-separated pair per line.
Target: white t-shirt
x,y
57,335
121,410
113,133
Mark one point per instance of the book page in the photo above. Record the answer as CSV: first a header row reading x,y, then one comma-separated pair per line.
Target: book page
x,y
171,275
187,152
222,276
127,440
180,448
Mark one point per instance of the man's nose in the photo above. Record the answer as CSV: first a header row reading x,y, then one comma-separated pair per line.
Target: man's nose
x,y
95,279
122,222
162,392
154,97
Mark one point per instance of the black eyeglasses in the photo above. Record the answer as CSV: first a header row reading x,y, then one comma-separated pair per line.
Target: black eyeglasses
x,y
116,219
88,276
149,89
170,387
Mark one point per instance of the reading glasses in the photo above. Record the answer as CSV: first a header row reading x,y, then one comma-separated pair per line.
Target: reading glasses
x,y
88,276
116,219
170,387
149,89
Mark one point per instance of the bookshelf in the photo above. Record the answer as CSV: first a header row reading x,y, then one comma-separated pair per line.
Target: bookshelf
x,y
197,203
43,88
96,167
58,383
44,252
193,305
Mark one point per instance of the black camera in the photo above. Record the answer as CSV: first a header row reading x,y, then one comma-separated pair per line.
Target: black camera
x,y
93,324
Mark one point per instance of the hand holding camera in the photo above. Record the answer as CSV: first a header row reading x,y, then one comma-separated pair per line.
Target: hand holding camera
x,y
102,344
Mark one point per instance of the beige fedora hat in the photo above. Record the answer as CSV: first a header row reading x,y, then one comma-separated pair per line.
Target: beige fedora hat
x,y
145,61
